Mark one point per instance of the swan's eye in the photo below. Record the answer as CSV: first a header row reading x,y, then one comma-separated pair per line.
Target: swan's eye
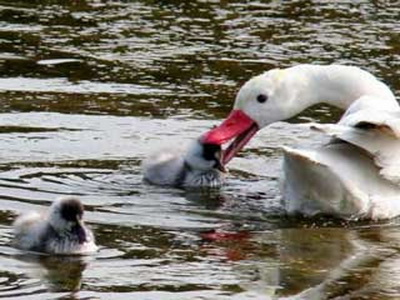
x,y
262,98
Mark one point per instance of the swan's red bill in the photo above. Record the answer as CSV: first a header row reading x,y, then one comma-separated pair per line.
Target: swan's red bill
x,y
237,126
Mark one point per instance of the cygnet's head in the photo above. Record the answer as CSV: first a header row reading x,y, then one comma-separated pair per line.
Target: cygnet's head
x,y
204,156
65,216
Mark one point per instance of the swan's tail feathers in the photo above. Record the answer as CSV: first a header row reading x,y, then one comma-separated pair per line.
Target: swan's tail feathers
x,y
379,142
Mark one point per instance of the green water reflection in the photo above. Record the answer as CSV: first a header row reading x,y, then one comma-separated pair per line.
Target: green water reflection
x,y
89,88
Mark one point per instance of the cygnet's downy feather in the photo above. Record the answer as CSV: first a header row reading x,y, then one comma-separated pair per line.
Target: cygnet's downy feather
x,y
60,230
197,166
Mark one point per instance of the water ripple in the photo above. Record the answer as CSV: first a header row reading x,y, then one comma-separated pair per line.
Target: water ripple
x,y
89,88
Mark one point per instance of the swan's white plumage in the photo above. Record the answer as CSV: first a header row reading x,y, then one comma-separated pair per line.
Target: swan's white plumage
x,y
379,143
337,179
357,173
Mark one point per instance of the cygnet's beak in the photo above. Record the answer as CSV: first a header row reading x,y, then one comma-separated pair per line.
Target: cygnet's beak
x,y
237,126
80,232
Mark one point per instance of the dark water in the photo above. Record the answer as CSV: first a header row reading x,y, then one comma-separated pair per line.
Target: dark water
x,y
89,88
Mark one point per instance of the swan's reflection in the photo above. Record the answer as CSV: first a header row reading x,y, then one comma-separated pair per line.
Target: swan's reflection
x,y
313,263
370,271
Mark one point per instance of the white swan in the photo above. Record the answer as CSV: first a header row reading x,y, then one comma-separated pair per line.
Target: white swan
x,y
197,166
60,231
357,173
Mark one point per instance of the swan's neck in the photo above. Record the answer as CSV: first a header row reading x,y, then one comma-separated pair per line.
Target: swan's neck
x,y
339,86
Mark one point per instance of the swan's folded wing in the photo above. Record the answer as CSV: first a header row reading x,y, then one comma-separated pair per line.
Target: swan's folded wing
x,y
378,137
388,122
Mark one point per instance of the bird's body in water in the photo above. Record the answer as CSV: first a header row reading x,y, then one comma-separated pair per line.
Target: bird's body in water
x,y
59,231
353,175
198,166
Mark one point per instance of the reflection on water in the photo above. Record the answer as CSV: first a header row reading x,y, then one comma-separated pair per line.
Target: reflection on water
x,y
88,89
371,271
60,273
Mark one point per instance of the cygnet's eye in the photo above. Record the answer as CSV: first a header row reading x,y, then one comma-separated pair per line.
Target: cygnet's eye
x,y
262,98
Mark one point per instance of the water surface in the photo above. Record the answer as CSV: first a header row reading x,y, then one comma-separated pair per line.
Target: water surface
x,y
89,88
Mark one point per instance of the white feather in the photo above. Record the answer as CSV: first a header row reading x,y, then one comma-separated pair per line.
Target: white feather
x,y
357,174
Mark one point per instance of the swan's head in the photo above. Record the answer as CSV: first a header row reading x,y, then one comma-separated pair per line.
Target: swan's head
x,y
65,216
267,98
262,100
204,156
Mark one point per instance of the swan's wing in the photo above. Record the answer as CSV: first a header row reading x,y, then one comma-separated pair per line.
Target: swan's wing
x,y
313,184
374,126
377,133
337,179
388,122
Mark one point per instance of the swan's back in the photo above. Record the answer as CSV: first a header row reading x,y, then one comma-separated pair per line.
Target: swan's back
x,y
355,175
338,179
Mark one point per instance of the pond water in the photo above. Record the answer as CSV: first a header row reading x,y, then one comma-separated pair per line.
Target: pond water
x,y
90,88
